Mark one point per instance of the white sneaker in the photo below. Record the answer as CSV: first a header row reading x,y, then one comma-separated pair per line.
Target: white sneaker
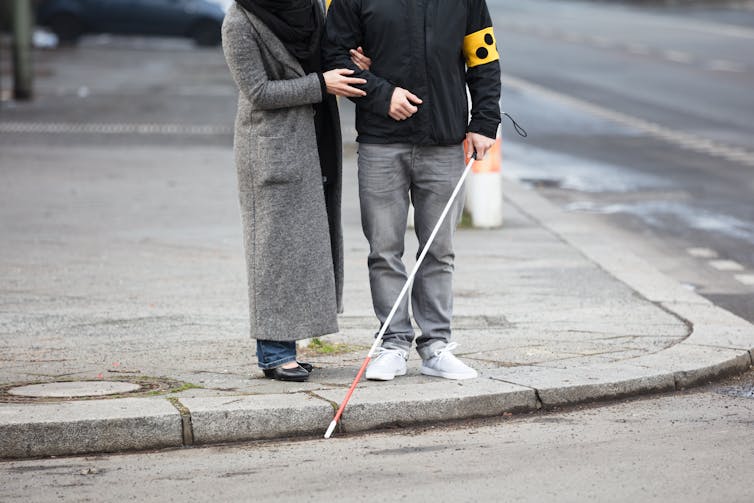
x,y
387,364
445,364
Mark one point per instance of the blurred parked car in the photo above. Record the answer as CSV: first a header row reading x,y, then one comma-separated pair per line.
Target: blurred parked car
x,y
199,20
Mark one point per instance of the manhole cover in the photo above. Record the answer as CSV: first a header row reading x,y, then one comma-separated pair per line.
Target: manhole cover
x,y
72,389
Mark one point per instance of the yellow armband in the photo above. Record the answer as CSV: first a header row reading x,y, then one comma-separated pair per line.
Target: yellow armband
x,y
480,48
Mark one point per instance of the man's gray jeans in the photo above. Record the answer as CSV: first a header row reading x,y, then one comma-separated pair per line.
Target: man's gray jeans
x,y
388,174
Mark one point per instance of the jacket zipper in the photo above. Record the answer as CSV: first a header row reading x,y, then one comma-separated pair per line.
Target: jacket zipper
x,y
427,39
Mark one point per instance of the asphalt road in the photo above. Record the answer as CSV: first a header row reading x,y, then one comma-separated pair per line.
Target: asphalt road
x,y
691,448
643,115
123,91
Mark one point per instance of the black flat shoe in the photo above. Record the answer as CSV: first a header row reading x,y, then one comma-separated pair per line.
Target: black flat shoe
x,y
306,366
297,374
270,373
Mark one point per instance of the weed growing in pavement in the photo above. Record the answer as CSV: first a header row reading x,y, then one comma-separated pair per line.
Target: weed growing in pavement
x,y
177,389
319,347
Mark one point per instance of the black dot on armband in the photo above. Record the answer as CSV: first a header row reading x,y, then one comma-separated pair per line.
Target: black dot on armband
x,y
488,39
481,53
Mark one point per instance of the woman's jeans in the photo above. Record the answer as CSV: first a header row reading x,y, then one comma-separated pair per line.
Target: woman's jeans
x,y
271,354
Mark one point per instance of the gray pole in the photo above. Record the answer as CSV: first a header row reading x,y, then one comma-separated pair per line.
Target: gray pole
x,y
22,32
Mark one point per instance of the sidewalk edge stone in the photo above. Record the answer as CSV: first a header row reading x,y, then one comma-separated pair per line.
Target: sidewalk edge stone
x,y
692,364
377,407
559,387
256,417
81,427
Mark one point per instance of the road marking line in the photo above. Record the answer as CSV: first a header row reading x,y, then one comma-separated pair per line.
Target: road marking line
x,y
746,279
544,31
601,42
573,37
728,30
702,252
684,140
101,128
723,65
726,265
678,56
639,49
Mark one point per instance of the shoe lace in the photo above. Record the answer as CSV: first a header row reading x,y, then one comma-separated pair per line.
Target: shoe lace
x,y
446,350
384,352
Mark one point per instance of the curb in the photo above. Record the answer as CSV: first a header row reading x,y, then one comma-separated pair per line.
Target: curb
x,y
88,426
719,344
431,402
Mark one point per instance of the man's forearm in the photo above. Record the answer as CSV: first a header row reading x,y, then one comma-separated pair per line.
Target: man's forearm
x,y
342,33
484,87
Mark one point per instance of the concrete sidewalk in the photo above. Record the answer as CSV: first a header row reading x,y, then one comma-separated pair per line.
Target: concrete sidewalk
x,y
126,265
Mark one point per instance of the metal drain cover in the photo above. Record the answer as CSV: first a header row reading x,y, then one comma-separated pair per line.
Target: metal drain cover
x,y
73,389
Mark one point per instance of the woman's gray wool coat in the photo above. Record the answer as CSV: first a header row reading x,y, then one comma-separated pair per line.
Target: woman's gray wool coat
x,y
293,242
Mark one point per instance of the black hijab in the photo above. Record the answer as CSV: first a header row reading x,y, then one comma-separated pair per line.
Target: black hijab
x,y
297,23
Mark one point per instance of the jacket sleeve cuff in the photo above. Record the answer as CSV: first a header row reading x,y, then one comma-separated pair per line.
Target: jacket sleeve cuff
x,y
322,84
484,128
388,98
378,98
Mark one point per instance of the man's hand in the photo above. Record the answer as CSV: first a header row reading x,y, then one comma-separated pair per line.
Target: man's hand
x,y
402,104
478,143
340,85
360,59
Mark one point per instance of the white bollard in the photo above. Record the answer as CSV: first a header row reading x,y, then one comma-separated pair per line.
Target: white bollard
x,y
484,190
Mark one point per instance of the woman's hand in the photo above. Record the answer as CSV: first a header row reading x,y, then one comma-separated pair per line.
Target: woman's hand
x,y
339,84
360,59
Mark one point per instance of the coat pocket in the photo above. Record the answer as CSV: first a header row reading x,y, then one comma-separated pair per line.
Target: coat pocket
x,y
277,164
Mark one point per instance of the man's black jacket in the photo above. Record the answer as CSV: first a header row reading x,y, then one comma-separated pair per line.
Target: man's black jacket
x,y
432,48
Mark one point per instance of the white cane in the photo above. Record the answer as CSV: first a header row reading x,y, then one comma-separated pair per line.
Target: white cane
x,y
378,339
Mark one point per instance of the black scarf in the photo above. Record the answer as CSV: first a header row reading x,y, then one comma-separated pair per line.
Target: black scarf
x,y
297,23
